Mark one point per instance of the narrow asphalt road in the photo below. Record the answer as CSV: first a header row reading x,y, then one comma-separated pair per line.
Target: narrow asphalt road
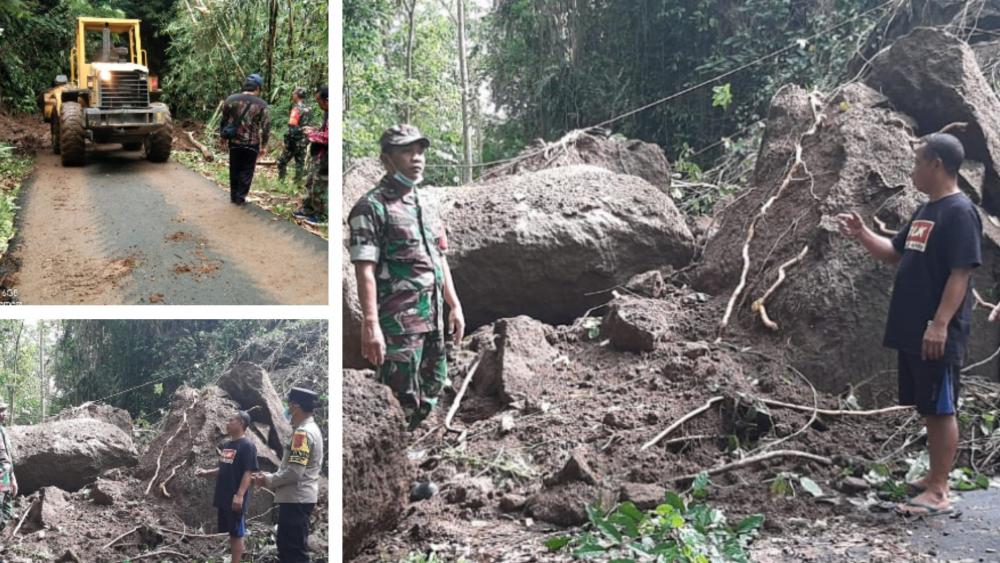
x,y
122,230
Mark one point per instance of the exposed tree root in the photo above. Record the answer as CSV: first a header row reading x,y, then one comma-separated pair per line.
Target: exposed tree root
x,y
758,305
159,458
753,460
797,163
682,420
461,393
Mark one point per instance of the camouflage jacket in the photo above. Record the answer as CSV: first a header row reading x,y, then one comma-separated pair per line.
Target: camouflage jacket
x,y
255,129
406,240
6,461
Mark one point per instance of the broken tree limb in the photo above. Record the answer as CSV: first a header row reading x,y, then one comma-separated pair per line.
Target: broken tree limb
x,y
205,153
461,393
758,305
753,460
829,412
158,553
708,404
983,362
23,517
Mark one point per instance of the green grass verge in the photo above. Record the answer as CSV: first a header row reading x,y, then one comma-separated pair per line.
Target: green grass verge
x,y
14,168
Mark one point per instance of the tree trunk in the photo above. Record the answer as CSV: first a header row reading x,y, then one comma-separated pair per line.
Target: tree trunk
x,y
41,364
411,9
272,31
17,350
464,77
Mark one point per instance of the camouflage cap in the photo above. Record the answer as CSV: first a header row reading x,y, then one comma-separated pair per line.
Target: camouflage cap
x,y
402,135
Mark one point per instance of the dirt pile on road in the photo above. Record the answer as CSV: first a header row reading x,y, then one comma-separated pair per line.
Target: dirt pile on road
x,y
26,132
99,411
595,148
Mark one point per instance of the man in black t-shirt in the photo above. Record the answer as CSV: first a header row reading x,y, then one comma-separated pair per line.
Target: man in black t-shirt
x,y
931,307
237,462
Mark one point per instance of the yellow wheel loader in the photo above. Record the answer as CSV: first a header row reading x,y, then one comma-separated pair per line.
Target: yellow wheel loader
x,y
109,97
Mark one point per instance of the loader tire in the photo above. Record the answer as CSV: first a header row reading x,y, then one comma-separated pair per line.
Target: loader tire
x,y
72,138
158,144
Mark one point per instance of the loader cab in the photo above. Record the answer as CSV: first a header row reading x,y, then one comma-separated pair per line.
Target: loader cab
x,y
101,42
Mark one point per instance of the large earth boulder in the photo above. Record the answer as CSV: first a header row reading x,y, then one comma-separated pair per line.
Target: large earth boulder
x,y
191,438
545,244
69,454
977,23
251,387
377,472
832,307
99,411
595,148
516,361
933,76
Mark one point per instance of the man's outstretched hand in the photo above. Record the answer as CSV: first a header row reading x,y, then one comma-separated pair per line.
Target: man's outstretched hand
x,y
850,224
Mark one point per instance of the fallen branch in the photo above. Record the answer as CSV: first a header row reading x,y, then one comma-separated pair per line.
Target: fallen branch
x,y
121,537
829,412
812,417
983,362
461,393
758,305
205,153
21,521
682,420
759,458
188,534
161,552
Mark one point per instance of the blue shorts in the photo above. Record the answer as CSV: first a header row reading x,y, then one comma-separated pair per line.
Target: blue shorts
x,y
232,523
931,386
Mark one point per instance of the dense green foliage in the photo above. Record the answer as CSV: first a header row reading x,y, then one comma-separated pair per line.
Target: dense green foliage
x,y
14,166
20,385
201,49
377,91
540,68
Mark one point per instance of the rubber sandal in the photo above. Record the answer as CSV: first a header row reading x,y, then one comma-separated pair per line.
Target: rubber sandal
x,y
930,510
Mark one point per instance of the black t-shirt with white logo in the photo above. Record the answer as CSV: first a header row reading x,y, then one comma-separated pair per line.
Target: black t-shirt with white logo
x,y
237,457
941,236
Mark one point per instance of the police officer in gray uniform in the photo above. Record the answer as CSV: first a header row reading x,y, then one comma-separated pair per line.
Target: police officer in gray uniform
x,y
296,484
8,482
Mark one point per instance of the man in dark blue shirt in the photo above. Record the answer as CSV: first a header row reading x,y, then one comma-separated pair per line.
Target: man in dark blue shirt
x,y
237,463
931,307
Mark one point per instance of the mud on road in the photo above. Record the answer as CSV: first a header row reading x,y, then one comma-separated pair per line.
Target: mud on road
x,y
124,230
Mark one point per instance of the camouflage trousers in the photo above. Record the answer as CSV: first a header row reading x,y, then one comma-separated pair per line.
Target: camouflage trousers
x,y
314,202
416,370
295,149
6,510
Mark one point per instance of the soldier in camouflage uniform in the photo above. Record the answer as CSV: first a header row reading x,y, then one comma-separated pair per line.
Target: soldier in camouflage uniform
x,y
313,209
8,482
295,141
398,248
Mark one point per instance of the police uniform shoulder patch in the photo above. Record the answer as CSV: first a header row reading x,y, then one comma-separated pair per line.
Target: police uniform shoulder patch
x,y
299,452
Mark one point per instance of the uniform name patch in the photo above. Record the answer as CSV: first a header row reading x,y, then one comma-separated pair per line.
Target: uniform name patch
x,y
920,233
300,448
227,456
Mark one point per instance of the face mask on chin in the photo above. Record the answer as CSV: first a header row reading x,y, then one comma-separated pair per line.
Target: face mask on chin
x,y
288,415
402,179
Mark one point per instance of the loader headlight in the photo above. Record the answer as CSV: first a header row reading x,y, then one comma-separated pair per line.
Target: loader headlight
x,y
105,75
